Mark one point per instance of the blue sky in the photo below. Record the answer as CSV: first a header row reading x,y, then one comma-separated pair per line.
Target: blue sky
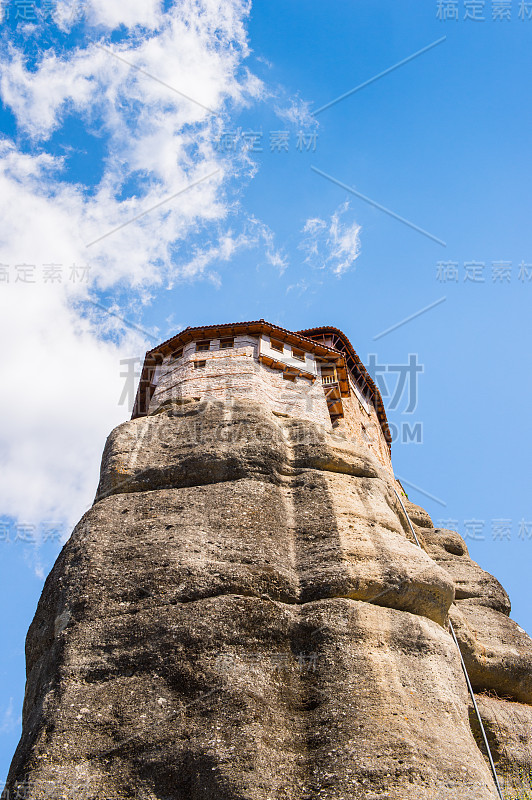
x,y
107,112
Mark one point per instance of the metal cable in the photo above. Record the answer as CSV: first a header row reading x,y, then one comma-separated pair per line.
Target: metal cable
x,y
470,688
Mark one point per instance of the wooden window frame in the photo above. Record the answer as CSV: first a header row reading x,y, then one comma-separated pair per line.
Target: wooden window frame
x,y
275,344
301,355
203,346
200,364
227,344
177,354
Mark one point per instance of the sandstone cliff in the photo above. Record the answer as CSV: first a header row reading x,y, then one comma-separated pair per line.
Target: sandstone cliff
x,y
244,615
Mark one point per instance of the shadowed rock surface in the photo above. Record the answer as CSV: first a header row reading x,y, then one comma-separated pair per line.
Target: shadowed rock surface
x,y
243,615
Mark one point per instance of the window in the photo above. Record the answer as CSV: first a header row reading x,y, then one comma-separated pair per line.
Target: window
x,y
176,354
299,354
275,345
328,376
201,347
225,344
199,364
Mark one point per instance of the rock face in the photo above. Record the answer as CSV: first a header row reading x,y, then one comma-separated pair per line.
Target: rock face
x,y
243,615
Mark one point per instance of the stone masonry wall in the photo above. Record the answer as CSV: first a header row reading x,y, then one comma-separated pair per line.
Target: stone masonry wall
x,y
236,373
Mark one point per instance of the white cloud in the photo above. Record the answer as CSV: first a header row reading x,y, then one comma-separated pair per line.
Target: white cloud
x,y
63,386
297,112
333,244
314,225
274,256
152,131
304,285
61,368
255,235
9,722
219,252
112,13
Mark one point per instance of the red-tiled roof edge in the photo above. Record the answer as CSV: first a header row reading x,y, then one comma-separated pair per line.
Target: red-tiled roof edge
x,y
381,412
235,325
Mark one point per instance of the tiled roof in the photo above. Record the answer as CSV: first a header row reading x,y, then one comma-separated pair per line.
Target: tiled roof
x,y
227,327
